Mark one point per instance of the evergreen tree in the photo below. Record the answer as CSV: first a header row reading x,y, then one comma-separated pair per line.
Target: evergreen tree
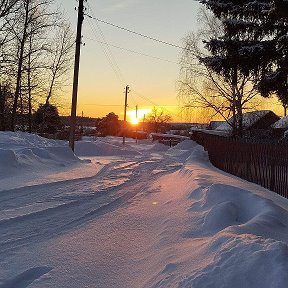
x,y
109,125
46,119
261,26
229,52
274,73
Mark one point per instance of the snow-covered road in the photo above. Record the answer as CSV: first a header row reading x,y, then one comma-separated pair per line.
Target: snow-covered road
x,y
139,216
36,212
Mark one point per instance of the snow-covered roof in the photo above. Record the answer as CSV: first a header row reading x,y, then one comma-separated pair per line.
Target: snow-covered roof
x,y
282,123
249,119
215,124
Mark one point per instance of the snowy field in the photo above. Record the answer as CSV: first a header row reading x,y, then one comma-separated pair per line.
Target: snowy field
x,y
143,215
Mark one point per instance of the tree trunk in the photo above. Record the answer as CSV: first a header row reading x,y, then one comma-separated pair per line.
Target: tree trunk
x,y
29,88
239,117
2,109
234,103
19,68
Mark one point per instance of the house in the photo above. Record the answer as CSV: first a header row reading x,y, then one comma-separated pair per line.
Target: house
x,y
215,124
280,127
256,123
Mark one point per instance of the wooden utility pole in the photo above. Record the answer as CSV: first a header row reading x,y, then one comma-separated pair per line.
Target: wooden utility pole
x,y
125,113
76,75
136,123
143,128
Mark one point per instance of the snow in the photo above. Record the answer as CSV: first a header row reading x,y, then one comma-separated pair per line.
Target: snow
x,y
249,119
139,215
282,123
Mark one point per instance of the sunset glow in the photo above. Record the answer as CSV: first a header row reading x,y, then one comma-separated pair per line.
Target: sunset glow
x,y
141,113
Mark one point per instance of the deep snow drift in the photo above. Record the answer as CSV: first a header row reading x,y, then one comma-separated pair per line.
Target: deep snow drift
x,y
142,215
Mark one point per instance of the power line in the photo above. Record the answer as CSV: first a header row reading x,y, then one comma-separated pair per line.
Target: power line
x,y
103,105
135,52
139,34
111,59
154,104
107,52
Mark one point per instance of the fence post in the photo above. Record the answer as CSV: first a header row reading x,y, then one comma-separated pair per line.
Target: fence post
x,y
272,175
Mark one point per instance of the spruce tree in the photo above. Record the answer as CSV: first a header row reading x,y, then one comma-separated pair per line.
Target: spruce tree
x,y
260,30
229,55
274,73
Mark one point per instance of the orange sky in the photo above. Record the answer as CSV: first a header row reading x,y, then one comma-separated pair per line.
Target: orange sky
x,y
150,68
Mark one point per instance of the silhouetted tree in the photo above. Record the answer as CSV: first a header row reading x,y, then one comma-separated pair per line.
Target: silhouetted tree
x,y
6,6
109,125
60,56
257,34
273,73
31,24
211,81
47,119
157,120
6,102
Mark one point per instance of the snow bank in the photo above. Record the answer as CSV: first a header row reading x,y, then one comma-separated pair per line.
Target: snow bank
x,y
24,152
8,159
241,251
14,140
242,261
227,206
182,149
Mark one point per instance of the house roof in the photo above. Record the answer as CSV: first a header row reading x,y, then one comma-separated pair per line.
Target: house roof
x,y
215,124
249,119
281,124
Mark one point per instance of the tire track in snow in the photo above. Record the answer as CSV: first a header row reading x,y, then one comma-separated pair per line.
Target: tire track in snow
x,y
79,201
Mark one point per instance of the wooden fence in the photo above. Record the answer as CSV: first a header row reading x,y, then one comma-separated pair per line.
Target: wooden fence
x,y
265,164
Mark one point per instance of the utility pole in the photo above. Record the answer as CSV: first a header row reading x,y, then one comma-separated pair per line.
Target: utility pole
x,y
82,129
136,124
76,75
125,112
143,128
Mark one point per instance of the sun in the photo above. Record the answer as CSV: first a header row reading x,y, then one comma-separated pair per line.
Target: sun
x,y
134,120
141,113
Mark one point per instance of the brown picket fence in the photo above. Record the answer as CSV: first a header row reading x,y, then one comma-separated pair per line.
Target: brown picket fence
x,y
265,164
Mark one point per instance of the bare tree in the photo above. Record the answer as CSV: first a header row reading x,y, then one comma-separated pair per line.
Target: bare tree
x,y
60,54
201,87
157,120
6,6
33,18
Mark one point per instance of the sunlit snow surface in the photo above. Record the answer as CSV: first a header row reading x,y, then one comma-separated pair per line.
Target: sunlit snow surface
x,y
142,215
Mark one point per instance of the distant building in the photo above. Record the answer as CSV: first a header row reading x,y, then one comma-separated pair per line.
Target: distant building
x,y
256,123
215,124
280,127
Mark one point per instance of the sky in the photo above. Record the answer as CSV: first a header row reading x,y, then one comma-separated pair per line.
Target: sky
x,y
106,70
151,69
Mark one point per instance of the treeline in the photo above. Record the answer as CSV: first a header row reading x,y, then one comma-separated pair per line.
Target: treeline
x,y
36,52
240,53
